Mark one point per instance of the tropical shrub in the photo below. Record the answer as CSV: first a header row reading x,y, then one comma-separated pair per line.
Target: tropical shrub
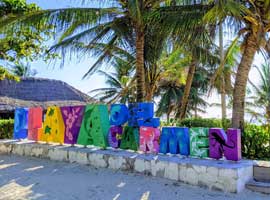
x,y
200,122
256,142
6,128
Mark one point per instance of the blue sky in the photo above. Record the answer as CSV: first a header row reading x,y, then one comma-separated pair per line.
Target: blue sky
x,y
73,71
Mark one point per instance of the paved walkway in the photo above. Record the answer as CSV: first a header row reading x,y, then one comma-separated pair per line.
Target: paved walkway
x,y
30,178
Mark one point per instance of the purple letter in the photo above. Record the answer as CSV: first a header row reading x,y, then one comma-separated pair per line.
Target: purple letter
x,y
72,116
232,150
114,136
228,144
218,140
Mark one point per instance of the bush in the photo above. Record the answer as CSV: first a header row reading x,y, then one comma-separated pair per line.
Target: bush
x,y
6,128
256,142
208,123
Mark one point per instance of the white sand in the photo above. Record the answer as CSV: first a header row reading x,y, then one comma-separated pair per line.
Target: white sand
x,y
30,178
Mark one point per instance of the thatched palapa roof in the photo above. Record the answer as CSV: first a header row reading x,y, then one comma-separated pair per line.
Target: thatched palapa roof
x,y
30,92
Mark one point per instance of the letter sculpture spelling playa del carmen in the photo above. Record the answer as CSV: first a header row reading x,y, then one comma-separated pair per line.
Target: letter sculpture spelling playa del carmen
x,y
131,127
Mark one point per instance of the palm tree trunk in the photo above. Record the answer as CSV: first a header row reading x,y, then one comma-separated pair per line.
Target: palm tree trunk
x,y
140,76
223,104
169,111
168,117
239,92
150,93
223,92
149,96
184,102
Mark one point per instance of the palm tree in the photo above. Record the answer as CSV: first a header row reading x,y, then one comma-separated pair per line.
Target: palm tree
x,y
166,67
262,91
23,70
170,93
221,78
199,55
121,24
121,84
252,20
196,103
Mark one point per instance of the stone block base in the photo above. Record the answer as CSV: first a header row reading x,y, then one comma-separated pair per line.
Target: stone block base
x,y
225,176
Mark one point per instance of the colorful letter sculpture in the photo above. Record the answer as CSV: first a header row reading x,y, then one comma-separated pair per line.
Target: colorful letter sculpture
x,y
149,139
20,123
141,114
35,123
54,127
95,126
235,153
174,140
228,144
118,114
90,125
72,116
115,136
130,138
199,142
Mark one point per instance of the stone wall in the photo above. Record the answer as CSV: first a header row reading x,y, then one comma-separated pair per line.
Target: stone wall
x,y
227,176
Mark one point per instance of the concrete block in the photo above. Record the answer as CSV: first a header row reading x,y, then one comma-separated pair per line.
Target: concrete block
x,y
232,173
5,148
39,151
192,177
171,171
129,164
182,172
200,169
227,183
244,175
142,166
213,171
78,157
116,163
28,150
58,154
97,160
207,180
18,149
158,168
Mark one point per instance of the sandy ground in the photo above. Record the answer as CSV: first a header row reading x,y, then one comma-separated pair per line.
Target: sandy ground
x,y
31,178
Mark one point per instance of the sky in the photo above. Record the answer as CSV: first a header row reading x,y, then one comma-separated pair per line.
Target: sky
x,y
74,70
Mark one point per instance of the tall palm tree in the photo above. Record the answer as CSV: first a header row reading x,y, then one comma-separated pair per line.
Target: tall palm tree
x,y
170,93
121,84
199,87
200,56
121,24
252,21
262,91
221,78
169,67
